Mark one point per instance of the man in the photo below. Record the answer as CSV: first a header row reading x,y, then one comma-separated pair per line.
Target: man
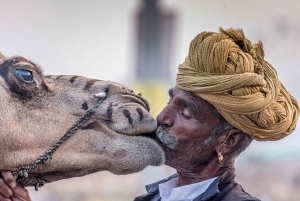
x,y
226,95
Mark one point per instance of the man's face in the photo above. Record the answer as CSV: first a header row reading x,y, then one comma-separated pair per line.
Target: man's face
x,y
184,125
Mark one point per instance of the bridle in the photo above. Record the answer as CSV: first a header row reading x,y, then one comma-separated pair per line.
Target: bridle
x,y
23,171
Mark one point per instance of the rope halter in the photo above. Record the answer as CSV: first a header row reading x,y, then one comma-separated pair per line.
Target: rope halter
x,y
23,171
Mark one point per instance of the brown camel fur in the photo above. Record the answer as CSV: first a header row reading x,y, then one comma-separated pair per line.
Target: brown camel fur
x,y
37,109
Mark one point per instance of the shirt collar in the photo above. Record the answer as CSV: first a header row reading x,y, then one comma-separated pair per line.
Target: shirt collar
x,y
170,190
212,190
153,188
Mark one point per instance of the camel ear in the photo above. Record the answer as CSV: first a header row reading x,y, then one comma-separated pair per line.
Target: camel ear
x,y
1,56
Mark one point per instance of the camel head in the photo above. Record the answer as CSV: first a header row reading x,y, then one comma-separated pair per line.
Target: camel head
x,y
37,110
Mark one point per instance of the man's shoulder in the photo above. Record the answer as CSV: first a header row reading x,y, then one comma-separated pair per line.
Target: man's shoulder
x,y
235,192
225,189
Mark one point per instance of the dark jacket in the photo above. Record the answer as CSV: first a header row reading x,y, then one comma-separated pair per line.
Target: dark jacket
x,y
224,188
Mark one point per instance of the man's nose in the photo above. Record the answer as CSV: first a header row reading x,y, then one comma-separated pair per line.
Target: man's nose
x,y
164,117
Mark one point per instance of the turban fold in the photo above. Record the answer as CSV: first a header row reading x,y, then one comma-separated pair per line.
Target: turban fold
x,y
230,72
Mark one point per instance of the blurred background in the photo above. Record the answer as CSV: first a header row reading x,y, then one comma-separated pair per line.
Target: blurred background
x,y
140,43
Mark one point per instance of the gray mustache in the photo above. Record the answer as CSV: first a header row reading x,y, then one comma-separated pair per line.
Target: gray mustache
x,y
168,138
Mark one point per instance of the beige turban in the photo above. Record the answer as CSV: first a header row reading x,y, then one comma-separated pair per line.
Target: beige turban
x,y
230,72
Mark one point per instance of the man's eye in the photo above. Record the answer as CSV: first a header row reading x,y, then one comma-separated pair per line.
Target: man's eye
x,y
24,75
186,114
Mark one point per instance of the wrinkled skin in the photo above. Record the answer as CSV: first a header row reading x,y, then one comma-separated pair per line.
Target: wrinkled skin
x,y
37,111
188,119
185,125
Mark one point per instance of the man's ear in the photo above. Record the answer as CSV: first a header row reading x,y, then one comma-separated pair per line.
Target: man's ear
x,y
225,143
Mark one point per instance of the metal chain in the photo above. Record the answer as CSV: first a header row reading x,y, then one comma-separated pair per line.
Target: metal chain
x,y
47,156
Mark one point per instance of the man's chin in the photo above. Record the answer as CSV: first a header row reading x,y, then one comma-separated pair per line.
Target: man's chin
x,y
170,158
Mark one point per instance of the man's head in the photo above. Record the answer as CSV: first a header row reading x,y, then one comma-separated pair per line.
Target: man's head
x,y
192,132
229,71
226,95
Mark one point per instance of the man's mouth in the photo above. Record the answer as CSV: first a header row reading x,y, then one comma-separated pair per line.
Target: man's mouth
x,y
167,138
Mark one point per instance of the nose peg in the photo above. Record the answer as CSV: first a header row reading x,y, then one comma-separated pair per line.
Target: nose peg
x,y
100,95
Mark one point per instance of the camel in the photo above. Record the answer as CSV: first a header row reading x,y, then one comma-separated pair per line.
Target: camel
x,y
37,110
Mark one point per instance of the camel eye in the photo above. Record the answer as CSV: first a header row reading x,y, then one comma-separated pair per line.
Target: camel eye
x,y
24,75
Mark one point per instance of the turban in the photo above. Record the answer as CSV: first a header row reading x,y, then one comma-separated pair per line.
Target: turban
x,y
230,72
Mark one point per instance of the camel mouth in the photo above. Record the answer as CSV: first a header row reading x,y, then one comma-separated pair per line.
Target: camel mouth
x,y
151,135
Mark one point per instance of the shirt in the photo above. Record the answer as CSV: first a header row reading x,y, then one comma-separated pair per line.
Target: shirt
x,y
224,188
170,192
